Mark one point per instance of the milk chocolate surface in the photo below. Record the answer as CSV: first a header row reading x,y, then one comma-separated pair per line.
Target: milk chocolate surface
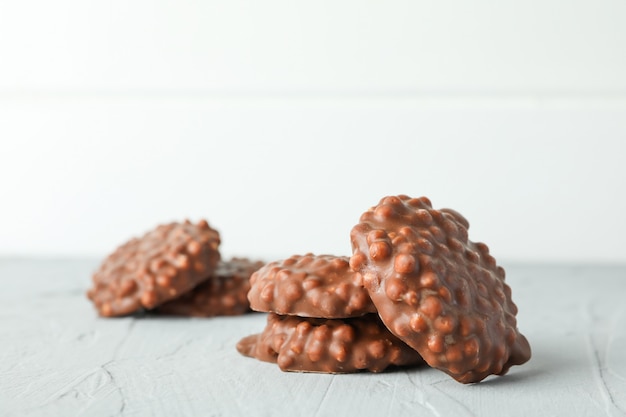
x,y
310,286
223,294
159,266
328,345
436,290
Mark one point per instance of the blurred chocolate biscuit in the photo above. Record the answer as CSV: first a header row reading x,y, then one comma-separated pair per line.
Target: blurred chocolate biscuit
x,y
223,294
159,266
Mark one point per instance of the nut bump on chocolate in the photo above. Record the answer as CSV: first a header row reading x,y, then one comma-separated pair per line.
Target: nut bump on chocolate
x,y
310,285
439,292
328,345
159,266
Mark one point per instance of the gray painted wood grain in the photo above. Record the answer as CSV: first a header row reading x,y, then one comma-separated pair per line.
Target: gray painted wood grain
x,y
57,358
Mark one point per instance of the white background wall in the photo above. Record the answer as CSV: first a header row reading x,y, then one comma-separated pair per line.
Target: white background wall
x,y
282,121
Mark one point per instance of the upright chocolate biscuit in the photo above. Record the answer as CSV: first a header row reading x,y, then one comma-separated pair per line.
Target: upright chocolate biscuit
x,y
159,266
310,286
223,294
328,345
436,290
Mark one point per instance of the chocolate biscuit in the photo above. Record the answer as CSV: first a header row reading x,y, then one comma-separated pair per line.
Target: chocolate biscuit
x,y
439,292
223,294
310,286
159,266
328,345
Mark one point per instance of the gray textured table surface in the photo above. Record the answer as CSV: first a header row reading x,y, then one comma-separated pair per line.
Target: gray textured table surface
x,y
57,358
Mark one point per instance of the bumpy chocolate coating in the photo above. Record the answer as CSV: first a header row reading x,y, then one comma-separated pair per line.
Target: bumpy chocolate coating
x,y
328,345
159,266
436,290
310,286
223,294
